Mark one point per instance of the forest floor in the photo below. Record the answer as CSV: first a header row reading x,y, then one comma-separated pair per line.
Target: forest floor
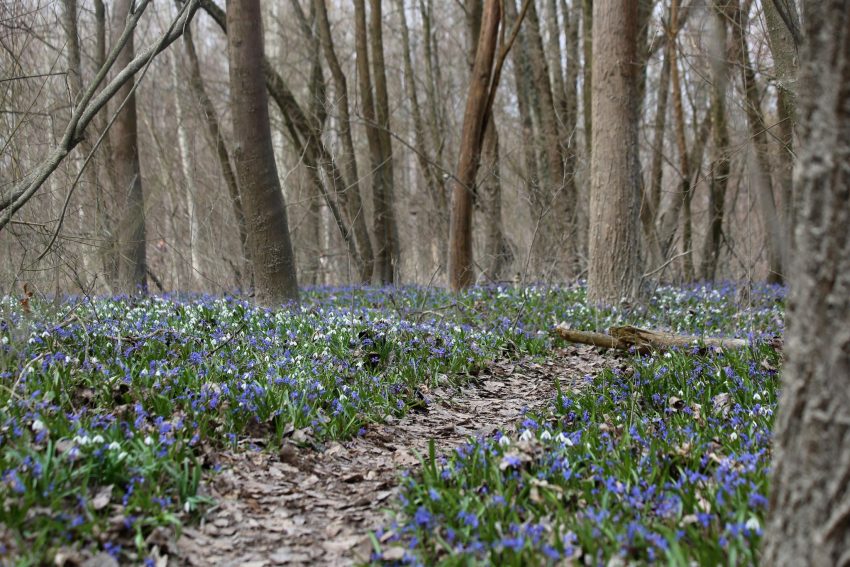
x,y
302,506
383,425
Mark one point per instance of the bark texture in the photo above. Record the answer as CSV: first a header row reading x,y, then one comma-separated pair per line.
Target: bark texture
x,y
809,523
614,271
262,199
474,118
130,247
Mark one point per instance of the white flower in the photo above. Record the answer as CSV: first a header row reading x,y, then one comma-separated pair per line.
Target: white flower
x,y
734,435
504,441
38,425
526,435
149,440
114,446
753,524
187,507
82,441
545,436
757,397
98,439
4,340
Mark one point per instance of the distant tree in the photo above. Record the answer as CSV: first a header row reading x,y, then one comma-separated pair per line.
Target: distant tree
x,y
130,245
614,271
259,187
809,519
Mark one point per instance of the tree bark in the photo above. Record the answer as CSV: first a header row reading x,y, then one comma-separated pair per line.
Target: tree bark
x,y
720,168
809,519
262,198
191,188
130,248
385,223
356,212
474,119
614,271
775,236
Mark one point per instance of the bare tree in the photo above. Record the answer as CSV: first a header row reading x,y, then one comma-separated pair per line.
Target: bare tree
x,y
614,272
809,522
262,198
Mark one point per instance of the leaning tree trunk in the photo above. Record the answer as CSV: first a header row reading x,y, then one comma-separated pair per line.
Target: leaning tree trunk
x,y
130,248
614,272
474,119
262,199
809,522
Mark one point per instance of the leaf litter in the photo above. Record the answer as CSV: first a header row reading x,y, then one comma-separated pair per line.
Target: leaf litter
x,y
312,504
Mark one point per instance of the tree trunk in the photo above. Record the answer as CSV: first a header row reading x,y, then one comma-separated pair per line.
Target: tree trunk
x,y
262,198
721,165
130,249
651,201
783,32
191,189
348,159
775,236
474,121
587,86
614,272
809,520
554,202
385,223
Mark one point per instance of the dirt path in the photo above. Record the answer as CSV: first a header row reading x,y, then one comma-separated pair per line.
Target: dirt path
x,y
308,507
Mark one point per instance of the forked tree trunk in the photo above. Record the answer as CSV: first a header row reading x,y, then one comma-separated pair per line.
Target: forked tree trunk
x,y
259,186
130,248
614,272
475,116
809,519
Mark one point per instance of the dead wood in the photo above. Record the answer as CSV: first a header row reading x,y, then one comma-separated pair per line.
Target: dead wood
x,y
643,340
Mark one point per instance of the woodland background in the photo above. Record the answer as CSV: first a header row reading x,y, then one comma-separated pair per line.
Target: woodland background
x,y
715,133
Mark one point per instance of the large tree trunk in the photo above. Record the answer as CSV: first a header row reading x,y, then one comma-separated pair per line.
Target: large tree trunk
x,y
614,272
262,198
130,248
809,520
474,119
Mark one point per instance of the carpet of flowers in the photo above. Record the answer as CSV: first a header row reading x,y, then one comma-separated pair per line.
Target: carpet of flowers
x,y
109,408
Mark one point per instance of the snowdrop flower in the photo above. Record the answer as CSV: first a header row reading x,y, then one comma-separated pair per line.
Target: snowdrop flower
x,y
757,397
148,440
98,439
545,436
82,441
38,425
114,446
734,435
504,441
526,435
753,524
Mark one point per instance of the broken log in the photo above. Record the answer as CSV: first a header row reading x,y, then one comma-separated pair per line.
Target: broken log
x,y
643,340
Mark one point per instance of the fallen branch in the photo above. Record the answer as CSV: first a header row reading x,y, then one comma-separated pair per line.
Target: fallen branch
x,y
643,340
